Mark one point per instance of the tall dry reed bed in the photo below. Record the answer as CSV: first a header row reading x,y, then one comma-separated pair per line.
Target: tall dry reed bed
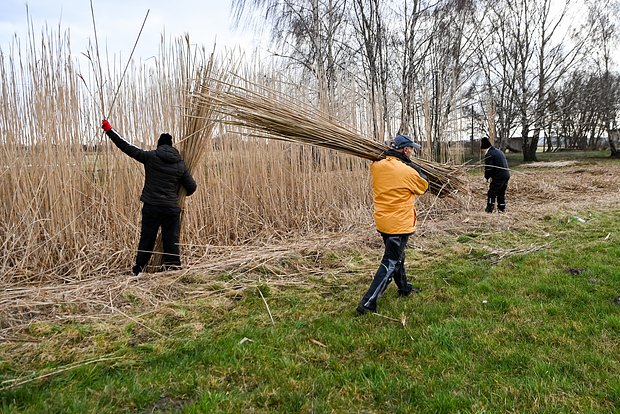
x,y
71,199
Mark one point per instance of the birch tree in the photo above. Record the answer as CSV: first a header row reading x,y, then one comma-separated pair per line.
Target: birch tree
x,y
497,59
430,50
536,51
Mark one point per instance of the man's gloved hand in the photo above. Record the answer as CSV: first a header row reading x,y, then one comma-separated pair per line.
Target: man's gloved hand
x,y
106,125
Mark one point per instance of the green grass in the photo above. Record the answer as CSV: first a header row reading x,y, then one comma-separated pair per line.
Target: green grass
x,y
536,331
585,157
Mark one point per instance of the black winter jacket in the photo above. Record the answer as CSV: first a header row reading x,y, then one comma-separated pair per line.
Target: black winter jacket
x,y
495,165
164,172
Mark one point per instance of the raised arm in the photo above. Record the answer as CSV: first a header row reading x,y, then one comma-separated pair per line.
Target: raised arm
x,y
418,183
131,150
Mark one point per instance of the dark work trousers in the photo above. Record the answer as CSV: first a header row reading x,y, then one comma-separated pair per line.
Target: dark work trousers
x,y
392,266
497,190
154,217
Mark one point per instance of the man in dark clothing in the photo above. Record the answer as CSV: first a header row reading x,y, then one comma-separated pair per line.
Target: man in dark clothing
x,y
164,172
496,170
396,182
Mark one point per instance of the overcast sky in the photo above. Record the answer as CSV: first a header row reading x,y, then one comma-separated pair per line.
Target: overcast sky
x,y
118,23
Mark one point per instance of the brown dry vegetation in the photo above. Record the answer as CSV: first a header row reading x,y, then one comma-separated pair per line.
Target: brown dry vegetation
x,y
218,272
265,211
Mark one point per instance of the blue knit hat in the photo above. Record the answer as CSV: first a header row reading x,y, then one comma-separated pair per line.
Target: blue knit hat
x,y
402,141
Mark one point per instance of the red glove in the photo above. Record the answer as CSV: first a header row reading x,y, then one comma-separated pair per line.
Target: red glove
x,y
106,125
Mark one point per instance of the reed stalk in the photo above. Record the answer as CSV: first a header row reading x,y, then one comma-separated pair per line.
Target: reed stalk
x,y
265,113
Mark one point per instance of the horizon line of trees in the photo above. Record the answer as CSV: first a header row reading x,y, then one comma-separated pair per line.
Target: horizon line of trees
x,y
439,70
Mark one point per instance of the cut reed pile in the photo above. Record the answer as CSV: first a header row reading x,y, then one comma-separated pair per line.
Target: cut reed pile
x,y
266,113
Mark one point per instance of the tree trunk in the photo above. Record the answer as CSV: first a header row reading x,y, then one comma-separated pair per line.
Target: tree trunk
x,y
528,154
614,138
533,145
529,151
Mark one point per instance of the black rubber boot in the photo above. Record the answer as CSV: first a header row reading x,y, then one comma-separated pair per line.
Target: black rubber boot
x,y
408,291
362,310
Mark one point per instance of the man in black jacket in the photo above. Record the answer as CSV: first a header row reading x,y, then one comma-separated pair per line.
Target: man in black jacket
x,y
164,172
496,170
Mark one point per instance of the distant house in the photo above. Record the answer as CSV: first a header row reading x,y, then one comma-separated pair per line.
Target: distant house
x,y
515,144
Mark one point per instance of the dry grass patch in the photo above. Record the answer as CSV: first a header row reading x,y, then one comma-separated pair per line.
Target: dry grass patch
x,y
219,273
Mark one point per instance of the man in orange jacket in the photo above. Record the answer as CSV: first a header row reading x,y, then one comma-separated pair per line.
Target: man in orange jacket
x,y
395,183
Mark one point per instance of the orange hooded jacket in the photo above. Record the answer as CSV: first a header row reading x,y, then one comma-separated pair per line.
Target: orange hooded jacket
x,y
394,187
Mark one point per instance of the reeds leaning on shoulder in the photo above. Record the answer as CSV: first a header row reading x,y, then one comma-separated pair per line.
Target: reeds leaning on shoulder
x,y
268,114
196,129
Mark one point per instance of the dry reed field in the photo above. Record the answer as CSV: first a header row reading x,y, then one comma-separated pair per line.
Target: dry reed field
x,y
285,260
71,200
70,222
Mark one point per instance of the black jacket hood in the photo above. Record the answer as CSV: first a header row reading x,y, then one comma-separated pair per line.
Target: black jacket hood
x,y
168,154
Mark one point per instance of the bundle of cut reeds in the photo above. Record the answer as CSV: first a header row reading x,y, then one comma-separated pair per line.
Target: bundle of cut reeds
x,y
197,126
268,114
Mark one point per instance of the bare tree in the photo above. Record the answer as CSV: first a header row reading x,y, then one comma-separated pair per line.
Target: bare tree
x,y
306,33
538,59
457,28
602,17
420,62
553,63
497,59
411,46
431,51
580,111
372,37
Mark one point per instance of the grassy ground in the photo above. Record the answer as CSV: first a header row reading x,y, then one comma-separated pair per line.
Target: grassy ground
x,y
516,159
514,321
